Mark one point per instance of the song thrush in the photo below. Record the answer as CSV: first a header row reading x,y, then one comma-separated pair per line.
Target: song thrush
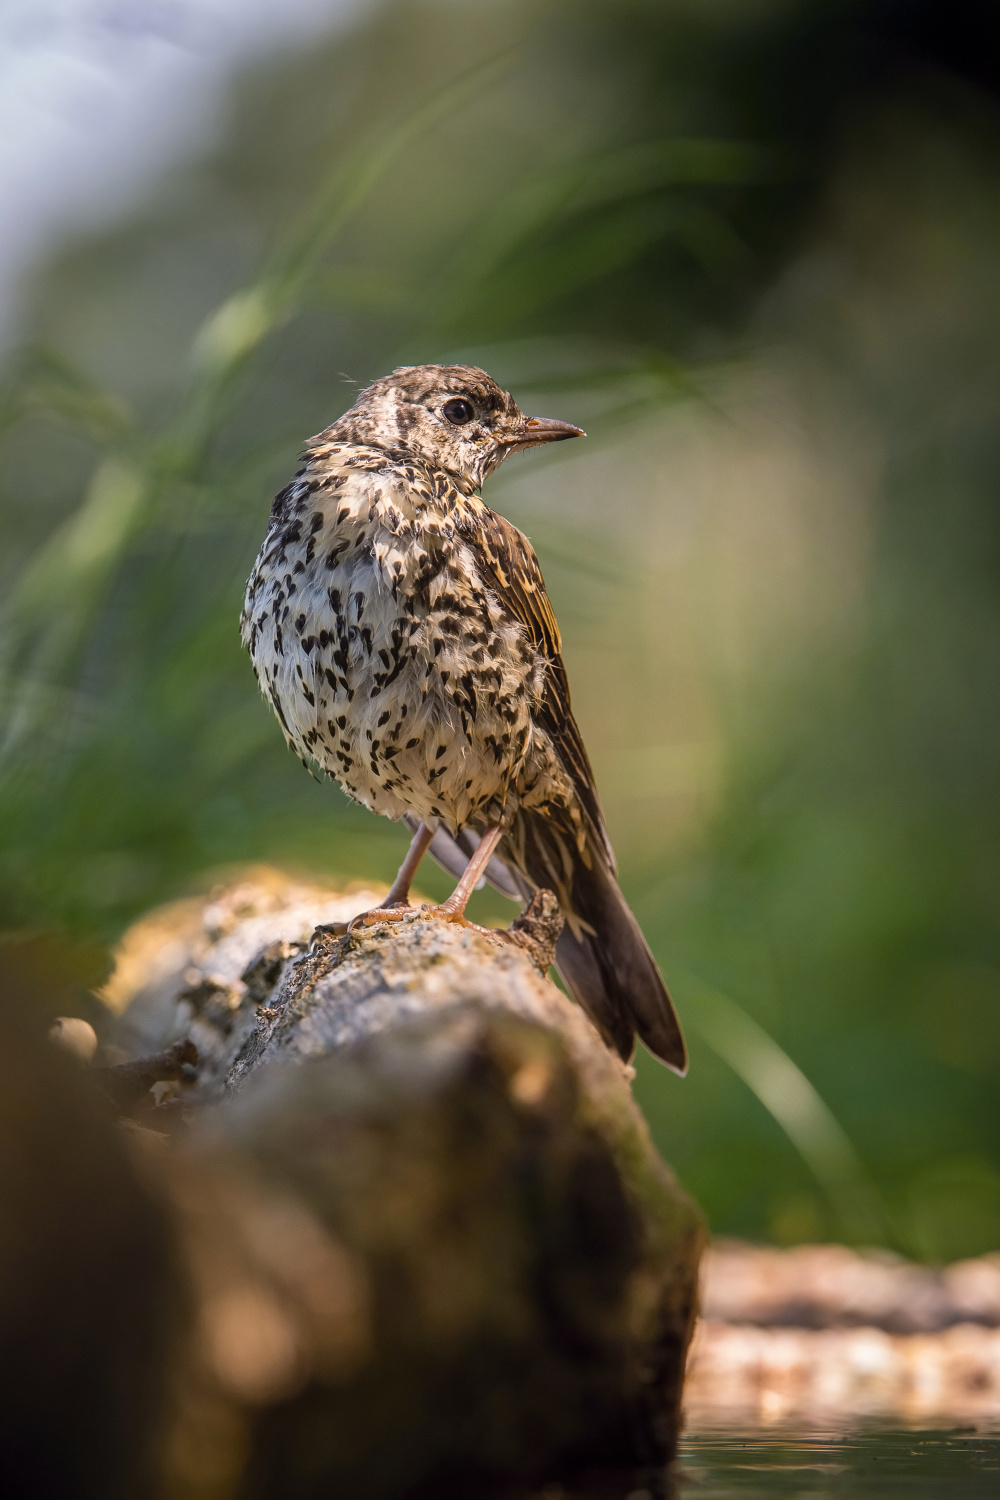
x,y
402,633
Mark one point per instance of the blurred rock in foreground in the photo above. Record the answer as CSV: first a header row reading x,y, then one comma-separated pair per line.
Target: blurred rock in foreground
x,y
431,1249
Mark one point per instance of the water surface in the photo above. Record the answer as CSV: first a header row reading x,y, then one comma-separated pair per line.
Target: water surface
x,y
920,1465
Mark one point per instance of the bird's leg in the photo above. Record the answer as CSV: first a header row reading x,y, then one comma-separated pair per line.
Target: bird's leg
x,y
453,910
397,902
399,891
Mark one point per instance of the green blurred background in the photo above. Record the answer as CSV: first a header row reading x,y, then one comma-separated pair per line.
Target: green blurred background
x,y
752,246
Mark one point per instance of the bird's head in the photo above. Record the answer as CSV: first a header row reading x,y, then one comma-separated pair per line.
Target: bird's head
x,y
454,417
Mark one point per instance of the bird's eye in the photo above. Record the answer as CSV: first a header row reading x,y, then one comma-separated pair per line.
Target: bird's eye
x,y
458,411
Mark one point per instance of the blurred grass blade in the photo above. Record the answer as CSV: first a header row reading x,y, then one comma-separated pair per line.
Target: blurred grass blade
x,y
46,380
649,165
51,605
235,329
49,614
620,181
787,1094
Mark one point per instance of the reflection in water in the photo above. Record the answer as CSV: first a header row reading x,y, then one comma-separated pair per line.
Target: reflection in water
x,y
867,1463
716,1465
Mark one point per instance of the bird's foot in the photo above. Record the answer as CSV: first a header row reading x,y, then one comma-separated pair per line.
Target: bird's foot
x,y
397,912
448,913
400,911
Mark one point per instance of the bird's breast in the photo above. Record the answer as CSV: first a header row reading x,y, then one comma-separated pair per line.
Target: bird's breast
x,y
388,660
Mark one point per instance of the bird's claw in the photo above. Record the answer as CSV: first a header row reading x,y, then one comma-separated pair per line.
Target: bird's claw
x,y
397,913
446,913
424,913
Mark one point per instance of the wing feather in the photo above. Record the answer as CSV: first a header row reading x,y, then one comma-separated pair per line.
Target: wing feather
x,y
506,555
602,955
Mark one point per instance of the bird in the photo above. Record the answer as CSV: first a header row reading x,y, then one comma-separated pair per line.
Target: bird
x,y
401,631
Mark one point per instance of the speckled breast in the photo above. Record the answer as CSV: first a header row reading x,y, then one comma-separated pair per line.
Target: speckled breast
x,y
387,660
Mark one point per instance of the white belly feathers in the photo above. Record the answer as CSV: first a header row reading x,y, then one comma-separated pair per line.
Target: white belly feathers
x,y
379,656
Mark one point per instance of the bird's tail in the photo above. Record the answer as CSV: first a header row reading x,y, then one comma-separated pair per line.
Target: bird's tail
x,y
602,956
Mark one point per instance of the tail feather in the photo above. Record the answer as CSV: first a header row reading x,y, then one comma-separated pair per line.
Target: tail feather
x,y
613,975
602,956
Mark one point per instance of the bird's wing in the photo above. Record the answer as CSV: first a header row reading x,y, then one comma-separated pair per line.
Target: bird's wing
x,y
508,558
601,954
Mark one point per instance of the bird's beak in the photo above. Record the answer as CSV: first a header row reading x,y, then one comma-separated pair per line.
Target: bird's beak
x,y
537,430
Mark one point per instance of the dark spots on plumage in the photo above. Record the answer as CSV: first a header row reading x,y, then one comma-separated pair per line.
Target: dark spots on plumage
x,y
386,659
341,721
276,704
410,744
300,624
317,522
444,678
440,751
342,514
300,566
279,504
384,719
309,696
340,660
468,784
438,645
433,775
